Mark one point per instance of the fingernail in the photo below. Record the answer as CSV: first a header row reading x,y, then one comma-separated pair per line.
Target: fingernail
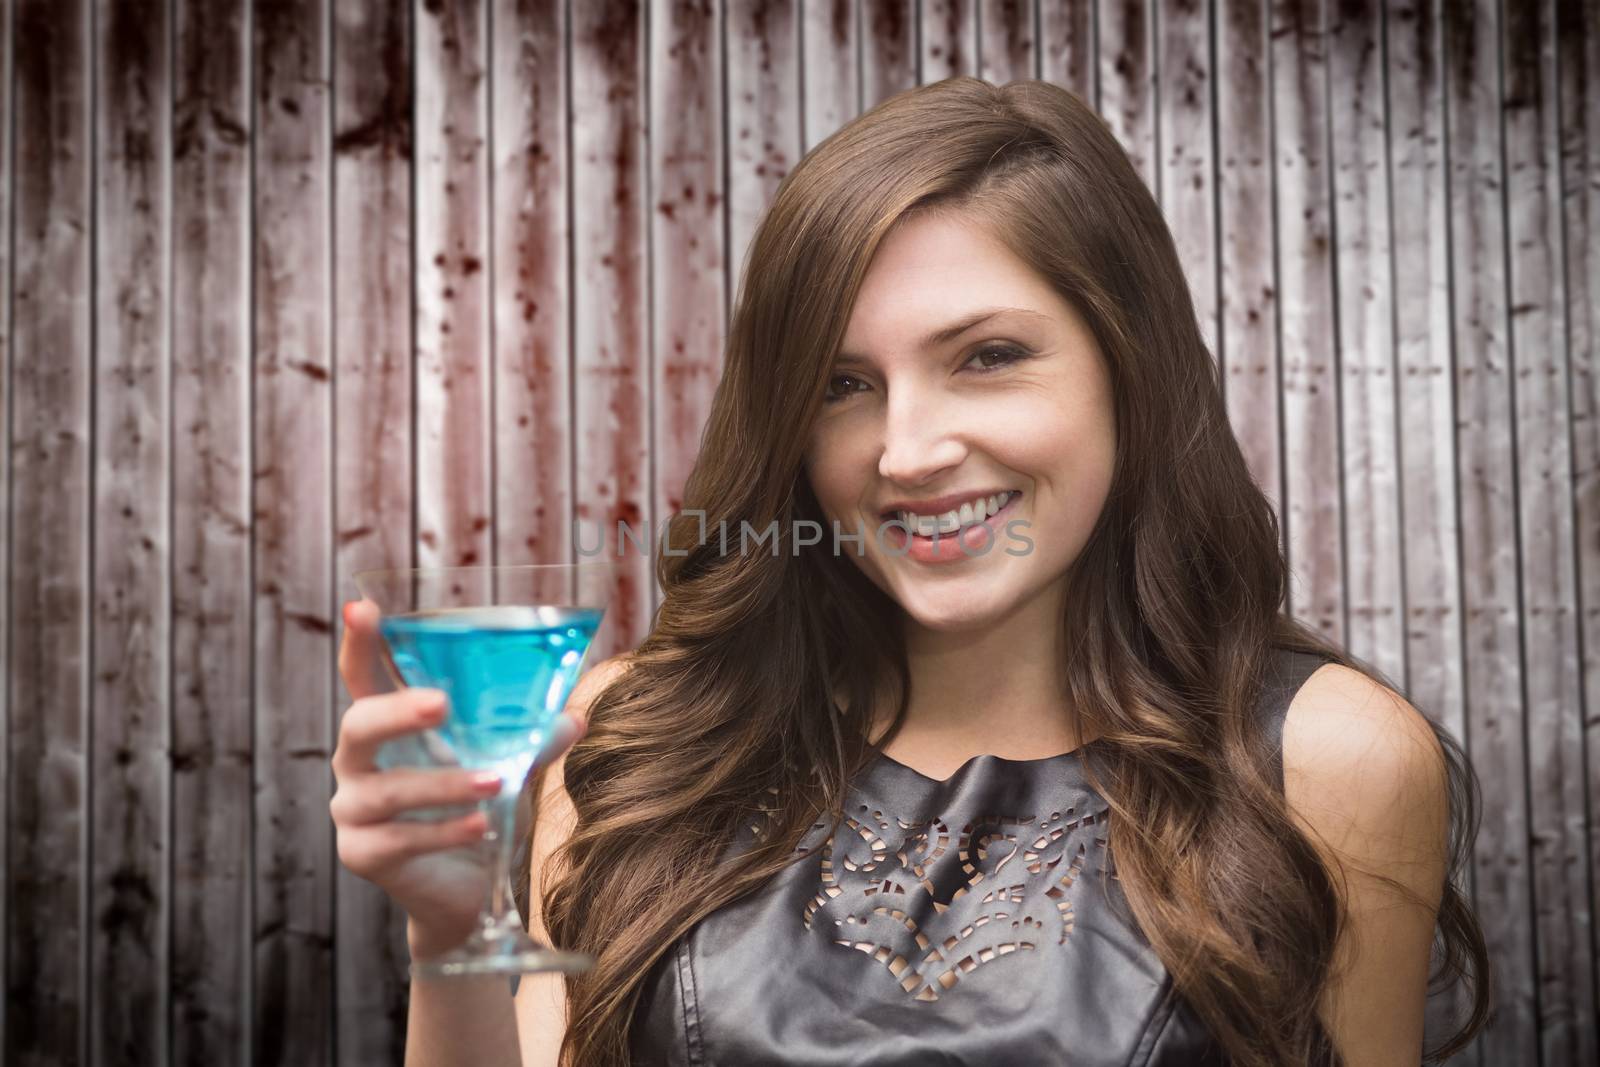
x,y
487,782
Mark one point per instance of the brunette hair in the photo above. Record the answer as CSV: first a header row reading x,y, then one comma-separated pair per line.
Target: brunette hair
x,y
727,709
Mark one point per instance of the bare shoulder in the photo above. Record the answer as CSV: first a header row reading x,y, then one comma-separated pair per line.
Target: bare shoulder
x,y
1356,752
1365,780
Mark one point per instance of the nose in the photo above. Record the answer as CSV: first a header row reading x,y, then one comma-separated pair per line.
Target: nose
x,y
922,439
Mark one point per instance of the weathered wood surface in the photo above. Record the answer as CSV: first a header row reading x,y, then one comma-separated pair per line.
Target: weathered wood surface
x,y
50,508
1066,45
1420,301
1578,105
455,509
1539,374
1358,152
610,304
1006,44
372,403
1125,43
1248,312
1188,173
888,49
295,288
1486,465
1312,512
213,700
7,157
530,281
129,768
292,533
688,259
949,39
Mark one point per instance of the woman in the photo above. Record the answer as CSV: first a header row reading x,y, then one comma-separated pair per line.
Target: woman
x,y
1059,784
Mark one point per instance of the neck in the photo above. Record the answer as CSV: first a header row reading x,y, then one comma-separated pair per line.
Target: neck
x,y
999,689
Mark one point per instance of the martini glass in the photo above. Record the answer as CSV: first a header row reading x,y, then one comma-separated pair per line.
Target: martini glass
x,y
506,645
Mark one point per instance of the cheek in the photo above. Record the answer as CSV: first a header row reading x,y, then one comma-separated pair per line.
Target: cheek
x,y
1071,450
829,472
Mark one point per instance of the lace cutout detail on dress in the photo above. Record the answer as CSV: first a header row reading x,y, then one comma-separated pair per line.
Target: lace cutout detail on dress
x,y
879,877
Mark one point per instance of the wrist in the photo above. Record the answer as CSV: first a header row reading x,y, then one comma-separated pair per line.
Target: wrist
x,y
425,943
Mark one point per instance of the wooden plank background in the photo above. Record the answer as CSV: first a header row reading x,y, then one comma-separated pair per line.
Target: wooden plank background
x,y
297,287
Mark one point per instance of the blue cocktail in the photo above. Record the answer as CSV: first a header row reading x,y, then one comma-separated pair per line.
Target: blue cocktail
x,y
507,670
506,645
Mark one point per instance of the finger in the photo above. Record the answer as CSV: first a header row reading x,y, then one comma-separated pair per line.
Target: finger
x,y
564,733
380,797
369,851
372,720
363,658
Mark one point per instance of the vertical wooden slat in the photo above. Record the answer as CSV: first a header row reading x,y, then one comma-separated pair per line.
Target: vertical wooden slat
x,y
830,80
1188,193
1066,42
888,49
1312,512
687,258
610,291
294,962
1373,583
949,39
7,37
532,291
129,667
7,65
1561,861
454,425
1127,79
211,607
764,116
1425,397
1578,66
372,152
1006,40
763,113
1489,564
1248,313
49,515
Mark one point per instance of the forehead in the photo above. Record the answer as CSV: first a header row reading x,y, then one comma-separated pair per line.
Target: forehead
x,y
933,274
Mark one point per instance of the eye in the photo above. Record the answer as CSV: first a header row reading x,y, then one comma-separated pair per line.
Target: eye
x,y
1006,355
831,397
992,358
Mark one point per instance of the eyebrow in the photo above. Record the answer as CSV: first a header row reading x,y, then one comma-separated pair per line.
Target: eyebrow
x,y
946,334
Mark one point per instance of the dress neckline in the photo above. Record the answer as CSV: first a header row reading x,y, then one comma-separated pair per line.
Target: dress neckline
x,y
990,760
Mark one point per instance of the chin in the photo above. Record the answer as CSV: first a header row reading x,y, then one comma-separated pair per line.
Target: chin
x,y
955,618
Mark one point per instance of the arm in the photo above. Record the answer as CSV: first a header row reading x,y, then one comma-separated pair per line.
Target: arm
x,y
458,1020
541,1000
475,1020
1364,777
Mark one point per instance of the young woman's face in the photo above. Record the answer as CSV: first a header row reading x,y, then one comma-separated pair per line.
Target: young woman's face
x,y
1018,403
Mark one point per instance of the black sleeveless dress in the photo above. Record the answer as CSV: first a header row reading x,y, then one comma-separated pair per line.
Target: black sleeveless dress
x,y
974,920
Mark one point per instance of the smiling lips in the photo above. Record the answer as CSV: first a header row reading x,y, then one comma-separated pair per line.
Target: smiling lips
x,y
957,541
973,509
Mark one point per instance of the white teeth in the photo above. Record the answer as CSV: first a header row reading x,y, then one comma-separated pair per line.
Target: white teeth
x,y
951,521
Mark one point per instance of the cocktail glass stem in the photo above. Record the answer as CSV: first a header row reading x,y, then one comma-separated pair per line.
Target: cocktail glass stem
x,y
499,916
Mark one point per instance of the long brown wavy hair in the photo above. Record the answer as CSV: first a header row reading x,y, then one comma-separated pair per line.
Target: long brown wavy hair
x,y
728,709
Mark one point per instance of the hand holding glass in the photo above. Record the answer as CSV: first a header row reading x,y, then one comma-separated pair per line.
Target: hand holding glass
x,y
506,645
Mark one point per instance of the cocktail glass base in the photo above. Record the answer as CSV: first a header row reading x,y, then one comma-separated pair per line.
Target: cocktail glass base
x,y
504,954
